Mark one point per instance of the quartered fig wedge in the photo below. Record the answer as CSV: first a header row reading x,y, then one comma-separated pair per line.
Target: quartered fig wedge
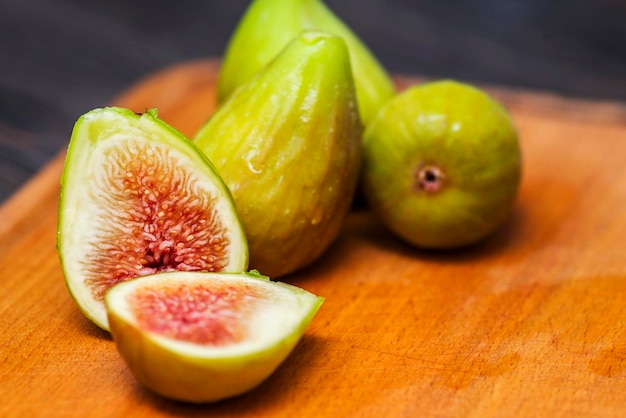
x,y
138,198
202,337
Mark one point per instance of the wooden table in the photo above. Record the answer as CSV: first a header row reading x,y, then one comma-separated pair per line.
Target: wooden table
x,y
530,323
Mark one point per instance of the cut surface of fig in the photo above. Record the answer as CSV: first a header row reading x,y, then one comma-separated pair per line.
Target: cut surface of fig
x,y
137,198
201,337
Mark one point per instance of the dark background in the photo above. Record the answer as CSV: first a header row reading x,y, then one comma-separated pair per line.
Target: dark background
x,y
61,58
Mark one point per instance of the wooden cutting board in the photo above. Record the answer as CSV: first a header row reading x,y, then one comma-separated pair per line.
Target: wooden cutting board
x,y
530,323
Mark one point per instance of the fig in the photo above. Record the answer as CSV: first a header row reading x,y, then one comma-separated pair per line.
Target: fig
x,y
138,198
201,337
442,164
268,25
288,145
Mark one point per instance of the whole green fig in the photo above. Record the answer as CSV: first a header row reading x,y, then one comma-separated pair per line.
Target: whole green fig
x,y
288,145
442,164
268,25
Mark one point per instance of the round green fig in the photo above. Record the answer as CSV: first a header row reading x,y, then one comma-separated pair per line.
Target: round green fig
x,y
269,25
442,164
202,337
138,198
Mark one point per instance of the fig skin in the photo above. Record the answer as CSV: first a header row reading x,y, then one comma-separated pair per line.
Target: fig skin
x,y
269,25
102,222
198,374
288,145
442,165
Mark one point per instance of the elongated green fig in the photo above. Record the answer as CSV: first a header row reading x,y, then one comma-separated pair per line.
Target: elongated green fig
x,y
138,198
442,164
202,337
268,25
287,144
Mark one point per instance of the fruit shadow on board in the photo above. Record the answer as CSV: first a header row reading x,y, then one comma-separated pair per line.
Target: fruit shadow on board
x,y
86,327
499,241
363,228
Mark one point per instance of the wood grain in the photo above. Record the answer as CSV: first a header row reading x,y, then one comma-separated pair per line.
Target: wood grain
x,y
532,322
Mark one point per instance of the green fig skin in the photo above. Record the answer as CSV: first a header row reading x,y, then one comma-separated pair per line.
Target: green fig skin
x,y
268,25
288,145
102,219
279,314
442,165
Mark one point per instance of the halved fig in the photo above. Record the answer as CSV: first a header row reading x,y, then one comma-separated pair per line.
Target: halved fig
x,y
138,198
202,337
